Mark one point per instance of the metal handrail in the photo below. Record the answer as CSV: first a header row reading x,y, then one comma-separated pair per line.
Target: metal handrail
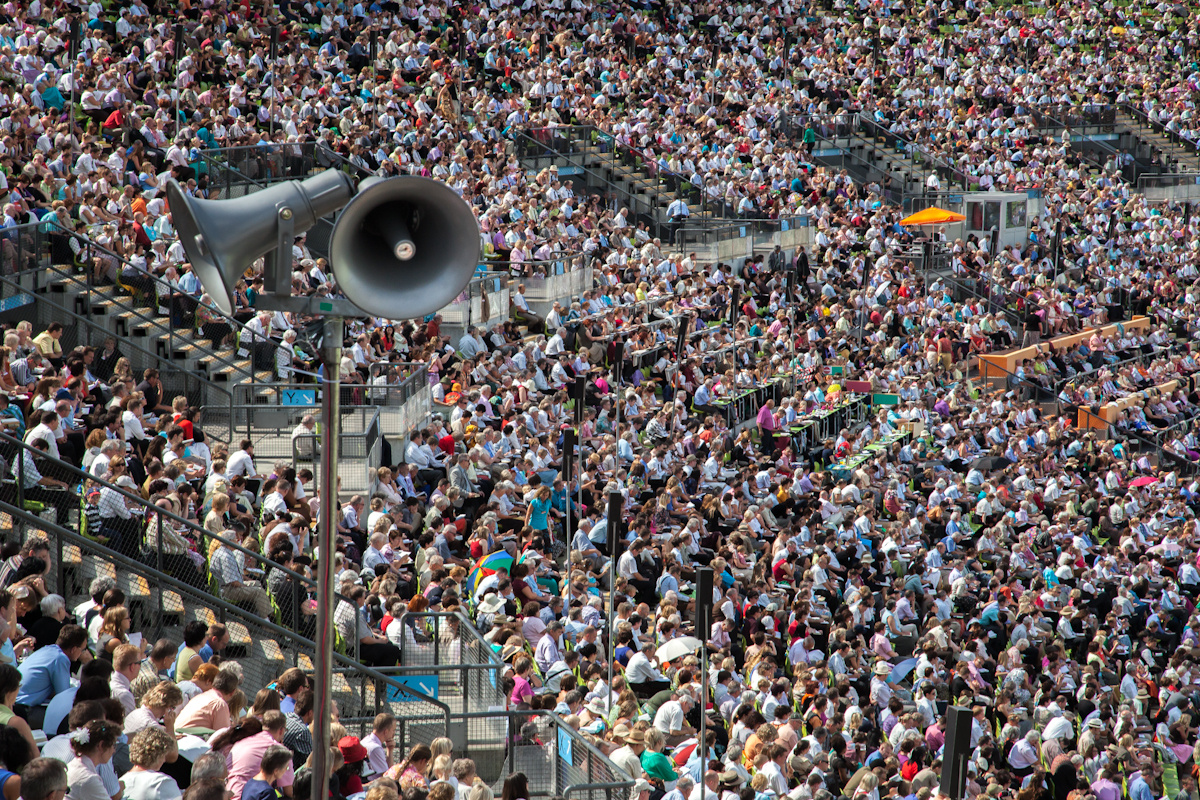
x,y
70,469
878,130
1160,127
714,230
493,660
869,167
574,259
226,608
632,200
996,306
844,126
1037,387
1056,123
223,359
1168,179
581,787
658,170
166,366
159,283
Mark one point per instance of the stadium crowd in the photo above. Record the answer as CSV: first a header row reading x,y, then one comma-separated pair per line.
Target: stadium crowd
x,y
967,545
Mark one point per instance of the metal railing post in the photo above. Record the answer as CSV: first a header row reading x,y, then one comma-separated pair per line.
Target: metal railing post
x,y
20,479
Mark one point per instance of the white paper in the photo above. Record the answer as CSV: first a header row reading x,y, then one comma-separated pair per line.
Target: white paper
x,y
192,747
135,639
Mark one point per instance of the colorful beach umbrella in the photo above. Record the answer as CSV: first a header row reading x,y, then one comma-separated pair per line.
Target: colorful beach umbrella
x,y
488,566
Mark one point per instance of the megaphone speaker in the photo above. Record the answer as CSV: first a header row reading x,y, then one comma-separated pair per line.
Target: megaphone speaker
x,y
223,237
404,247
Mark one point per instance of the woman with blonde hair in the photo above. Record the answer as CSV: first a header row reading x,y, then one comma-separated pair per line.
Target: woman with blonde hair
x,y
149,749
123,371
440,771
113,632
441,746
217,518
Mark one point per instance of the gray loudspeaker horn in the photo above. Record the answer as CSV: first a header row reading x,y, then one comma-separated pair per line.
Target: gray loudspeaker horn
x,y
223,237
404,247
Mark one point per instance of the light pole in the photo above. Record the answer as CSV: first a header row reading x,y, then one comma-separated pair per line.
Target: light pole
x,y
331,356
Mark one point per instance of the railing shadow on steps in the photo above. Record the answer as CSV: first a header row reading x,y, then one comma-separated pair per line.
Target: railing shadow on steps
x,y
68,272
466,701
1045,119
826,149
1161,129
554,147
172,346
263,649
79,330
160,284
874,130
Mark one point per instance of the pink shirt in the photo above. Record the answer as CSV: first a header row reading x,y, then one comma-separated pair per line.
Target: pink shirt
x,y
934,738
207,710
245,759
532,629
521,692
766,419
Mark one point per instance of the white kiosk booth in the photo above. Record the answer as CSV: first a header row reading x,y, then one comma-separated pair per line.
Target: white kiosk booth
x,y
1001,211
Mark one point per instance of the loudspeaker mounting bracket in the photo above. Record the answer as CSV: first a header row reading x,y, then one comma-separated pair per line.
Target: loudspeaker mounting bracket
x,y
277,264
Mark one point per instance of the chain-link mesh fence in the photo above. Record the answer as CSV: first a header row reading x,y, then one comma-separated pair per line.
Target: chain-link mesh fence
x,y
161,606
555,758
448,682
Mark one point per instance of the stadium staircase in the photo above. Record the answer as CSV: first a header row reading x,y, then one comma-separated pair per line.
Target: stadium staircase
x,y
588,154
134,316
1154,141
216,398
908,165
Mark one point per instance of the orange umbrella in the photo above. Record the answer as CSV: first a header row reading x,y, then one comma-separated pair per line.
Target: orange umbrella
x,y
932,216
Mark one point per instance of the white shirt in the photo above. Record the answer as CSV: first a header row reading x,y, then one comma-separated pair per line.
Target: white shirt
x,y
669,718
240,463
627,565
377,760
639,670
40,431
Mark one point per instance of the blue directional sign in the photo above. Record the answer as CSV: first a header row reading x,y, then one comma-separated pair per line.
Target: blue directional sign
x,y
299,397
422,684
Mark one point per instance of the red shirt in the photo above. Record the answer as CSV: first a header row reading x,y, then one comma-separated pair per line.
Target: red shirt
x,y
186,424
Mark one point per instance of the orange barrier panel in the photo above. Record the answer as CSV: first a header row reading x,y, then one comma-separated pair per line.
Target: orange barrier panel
x,y
998,365
1109,412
